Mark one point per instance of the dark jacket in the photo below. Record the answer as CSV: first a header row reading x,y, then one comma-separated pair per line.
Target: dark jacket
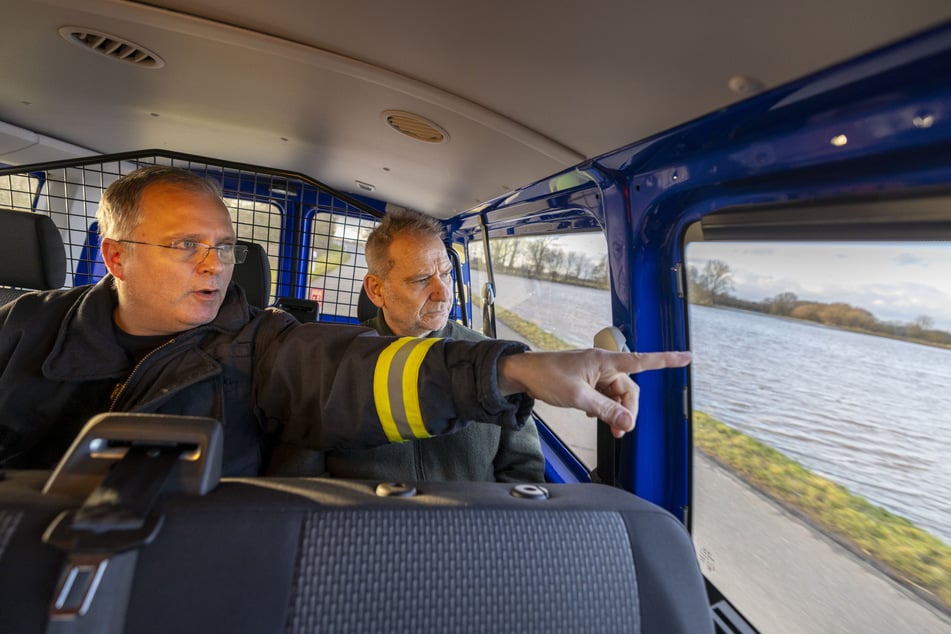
x,y
478,452
268,379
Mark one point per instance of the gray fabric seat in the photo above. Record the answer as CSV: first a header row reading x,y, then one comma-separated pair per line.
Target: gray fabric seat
x,y
32,254
327,555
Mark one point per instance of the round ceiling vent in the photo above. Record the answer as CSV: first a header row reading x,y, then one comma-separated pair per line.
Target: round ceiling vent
x,y
415,126
111,46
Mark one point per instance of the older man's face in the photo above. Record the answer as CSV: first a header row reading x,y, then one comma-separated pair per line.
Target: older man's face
x,y
416,295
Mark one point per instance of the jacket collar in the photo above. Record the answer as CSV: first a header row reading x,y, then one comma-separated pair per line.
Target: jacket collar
x,y
379,324
86,347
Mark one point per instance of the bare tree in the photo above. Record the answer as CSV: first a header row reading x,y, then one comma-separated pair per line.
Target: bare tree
x,y
783,303
713,282
504,252
717,278
537,255
556,263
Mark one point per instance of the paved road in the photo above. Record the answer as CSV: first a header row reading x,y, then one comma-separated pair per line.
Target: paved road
x,y
793,579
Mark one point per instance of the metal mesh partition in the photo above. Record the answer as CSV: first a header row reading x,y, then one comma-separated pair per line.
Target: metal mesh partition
x,y
313,235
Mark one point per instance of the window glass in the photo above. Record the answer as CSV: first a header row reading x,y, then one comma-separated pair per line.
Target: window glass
x,y
337,265
17,191
822,432
552,293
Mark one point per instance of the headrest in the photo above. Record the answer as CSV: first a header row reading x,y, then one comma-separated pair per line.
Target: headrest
x,y
365,308
254,275
32,254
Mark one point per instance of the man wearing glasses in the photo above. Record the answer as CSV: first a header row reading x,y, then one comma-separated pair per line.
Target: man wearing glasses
x,y
166,332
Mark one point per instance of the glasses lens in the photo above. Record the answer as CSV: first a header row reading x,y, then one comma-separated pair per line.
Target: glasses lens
x,y
187,250
238,253
197,251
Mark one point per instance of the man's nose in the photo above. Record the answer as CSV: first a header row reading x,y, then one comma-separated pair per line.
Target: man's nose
x,y
211,261
441,290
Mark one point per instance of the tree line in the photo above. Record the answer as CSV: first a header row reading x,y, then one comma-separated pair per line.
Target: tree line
x,y
540,259
713,286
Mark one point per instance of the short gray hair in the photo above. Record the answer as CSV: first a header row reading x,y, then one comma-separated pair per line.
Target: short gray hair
x,y
393,225
118,212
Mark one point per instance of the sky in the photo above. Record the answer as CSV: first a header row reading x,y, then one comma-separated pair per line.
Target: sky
x,y
895,282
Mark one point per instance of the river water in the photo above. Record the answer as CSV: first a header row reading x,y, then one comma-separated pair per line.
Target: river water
x,y
870,413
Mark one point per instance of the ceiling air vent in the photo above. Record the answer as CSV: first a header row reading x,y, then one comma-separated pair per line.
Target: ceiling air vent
x,y
415,126
111,46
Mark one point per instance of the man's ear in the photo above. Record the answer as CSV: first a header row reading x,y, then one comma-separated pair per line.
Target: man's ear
x,y
373,285
113,255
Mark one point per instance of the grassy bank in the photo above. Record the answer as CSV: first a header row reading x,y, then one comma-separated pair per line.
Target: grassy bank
x,y
901,548
538,338
330,260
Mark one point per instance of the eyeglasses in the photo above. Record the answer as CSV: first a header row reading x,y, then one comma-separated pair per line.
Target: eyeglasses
x,y
188,250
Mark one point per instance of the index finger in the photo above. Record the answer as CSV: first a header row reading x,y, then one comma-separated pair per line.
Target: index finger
x,y
633,362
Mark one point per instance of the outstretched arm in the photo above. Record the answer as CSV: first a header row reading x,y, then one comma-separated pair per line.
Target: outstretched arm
x,y
594,381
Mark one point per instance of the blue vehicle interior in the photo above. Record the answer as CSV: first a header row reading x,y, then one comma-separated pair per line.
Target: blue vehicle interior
x,y
859,150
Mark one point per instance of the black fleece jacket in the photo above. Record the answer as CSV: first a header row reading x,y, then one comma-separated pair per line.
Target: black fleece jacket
x,y
268,378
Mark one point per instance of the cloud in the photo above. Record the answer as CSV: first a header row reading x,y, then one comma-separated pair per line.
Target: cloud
x,y
910,259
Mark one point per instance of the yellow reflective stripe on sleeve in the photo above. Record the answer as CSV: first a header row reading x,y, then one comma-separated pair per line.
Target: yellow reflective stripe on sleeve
x,y
414,361
396,388
381,393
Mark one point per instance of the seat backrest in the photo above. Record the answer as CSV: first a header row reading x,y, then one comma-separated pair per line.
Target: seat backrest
x,y
32,254
359,556
254,275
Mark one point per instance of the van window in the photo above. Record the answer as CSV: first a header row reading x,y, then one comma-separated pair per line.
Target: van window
x,y
17,191
337,266
552,292
822,430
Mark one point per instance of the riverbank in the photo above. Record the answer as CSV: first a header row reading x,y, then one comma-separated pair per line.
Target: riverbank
x,y
539,339
861,331
891,543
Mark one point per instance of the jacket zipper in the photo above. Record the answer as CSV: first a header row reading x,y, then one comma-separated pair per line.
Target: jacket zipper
x,y
120,387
